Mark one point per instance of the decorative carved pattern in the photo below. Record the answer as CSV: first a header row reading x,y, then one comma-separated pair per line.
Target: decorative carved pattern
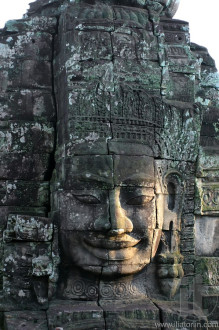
x,y
80,288
211,197
121,290
207,197
174,38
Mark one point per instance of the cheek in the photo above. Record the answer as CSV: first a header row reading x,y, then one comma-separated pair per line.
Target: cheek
x,y
71,246
142,217
77,216
67,242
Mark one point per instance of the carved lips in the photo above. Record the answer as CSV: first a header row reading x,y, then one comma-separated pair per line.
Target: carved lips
x,y
112,248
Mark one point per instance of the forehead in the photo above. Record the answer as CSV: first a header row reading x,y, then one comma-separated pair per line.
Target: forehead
x,y
108,171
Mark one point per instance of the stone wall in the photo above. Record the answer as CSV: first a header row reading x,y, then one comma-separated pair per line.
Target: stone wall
x,y
86,86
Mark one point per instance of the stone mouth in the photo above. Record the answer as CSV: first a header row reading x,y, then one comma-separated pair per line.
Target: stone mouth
x,y
112,243
115,250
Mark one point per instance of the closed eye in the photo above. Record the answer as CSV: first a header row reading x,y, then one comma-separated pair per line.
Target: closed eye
x,y
87,199
139,200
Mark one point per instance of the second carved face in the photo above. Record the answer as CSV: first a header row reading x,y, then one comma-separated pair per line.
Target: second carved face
x,y
108,221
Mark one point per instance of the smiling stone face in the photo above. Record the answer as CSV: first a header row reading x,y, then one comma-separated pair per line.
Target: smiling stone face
x,y
110,121
108,217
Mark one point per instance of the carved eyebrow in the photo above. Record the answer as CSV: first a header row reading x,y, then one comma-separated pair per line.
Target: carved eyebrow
x,y
141,177
138,191
91,177
134,180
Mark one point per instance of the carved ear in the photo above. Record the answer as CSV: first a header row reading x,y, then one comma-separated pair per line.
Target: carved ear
x,y
172,193
169,262
173,200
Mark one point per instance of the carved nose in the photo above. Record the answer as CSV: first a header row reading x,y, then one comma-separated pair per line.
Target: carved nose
x,y
120,223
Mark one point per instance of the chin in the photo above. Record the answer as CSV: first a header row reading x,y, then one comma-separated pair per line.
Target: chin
x,y
115,269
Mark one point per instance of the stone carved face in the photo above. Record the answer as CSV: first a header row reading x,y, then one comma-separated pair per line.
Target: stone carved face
x,y
169,6
108,221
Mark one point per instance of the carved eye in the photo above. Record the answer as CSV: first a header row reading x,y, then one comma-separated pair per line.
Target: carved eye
x,y
139,200
87,199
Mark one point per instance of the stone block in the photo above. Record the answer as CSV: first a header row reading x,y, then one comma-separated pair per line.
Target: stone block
x,y
85,172
179,315
139,171
27,228
136,315
90,71
208,269
208,96
25,276
119,74
27,105
120,290
25,74
175,32
188,258
87,130
78,205
187,233
190,185
1,319
76,315
77,287
188,220
211,307
88,103
30,45
96,145
188,205
182,126
209,142
179,87
123,45
141,135
131,148
29,319
34,24
142,73
17,166
136,107
210,129
89,17
19,193
20,137
207,197
78,137
36,74
146,44
187,245
18,258
207,236
134,17
87,45
203,53
210,78
180,59
188,269
25,210
208,163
